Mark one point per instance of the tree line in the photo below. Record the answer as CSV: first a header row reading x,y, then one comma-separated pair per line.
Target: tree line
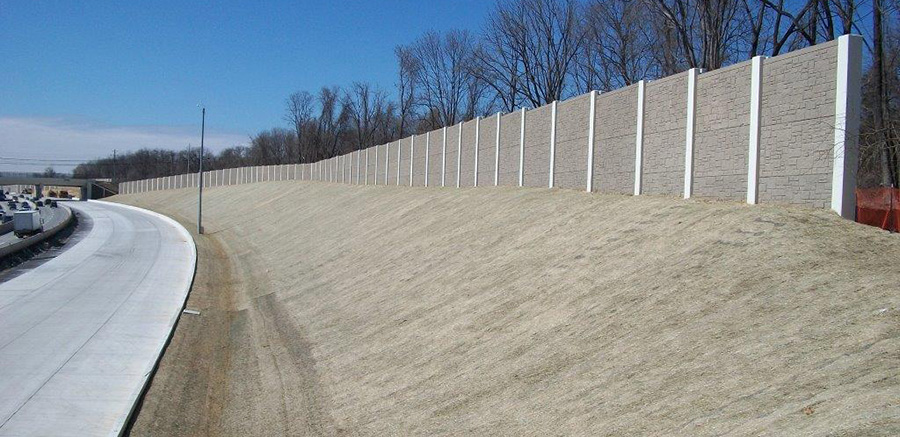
x,y
532,52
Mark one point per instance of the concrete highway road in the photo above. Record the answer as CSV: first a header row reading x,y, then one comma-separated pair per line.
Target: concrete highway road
x,y
80,334
51,216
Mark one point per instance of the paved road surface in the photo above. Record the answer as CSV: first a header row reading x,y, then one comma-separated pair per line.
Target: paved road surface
x,y
80,334
51,216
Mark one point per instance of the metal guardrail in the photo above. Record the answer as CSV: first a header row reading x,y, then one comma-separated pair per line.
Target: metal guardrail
x,y
35,239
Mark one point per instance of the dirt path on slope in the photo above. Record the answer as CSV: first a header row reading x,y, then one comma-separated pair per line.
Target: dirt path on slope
x,y
186,396
242,367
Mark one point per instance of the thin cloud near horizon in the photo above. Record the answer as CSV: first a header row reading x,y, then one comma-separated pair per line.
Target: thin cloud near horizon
x,y
86,139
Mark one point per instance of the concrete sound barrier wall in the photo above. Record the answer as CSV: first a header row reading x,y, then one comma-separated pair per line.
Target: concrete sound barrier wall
x,y
781,130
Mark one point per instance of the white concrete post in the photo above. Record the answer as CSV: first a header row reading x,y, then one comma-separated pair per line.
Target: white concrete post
x,y
412,154
756,70
458,152
427,154
497,153
591,128
399,155
689,132
477,144
375,176
358,158
522,150
367,166
846,126
639,141
552,145
444,156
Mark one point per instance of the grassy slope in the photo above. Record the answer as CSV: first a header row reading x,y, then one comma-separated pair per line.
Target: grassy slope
x,y
376,310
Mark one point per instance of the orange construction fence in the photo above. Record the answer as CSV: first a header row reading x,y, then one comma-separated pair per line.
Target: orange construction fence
x,y
879,207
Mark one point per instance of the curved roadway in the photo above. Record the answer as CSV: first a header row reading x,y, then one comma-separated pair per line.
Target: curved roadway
x,y
80,335
51,216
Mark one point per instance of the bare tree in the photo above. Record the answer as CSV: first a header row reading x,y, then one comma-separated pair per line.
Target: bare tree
x,y
703,31
332,118
365,105
499,63
443,75
406,87
619,46
298,112
881,106
534,44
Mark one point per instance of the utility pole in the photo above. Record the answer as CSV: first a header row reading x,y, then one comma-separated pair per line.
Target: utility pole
x,y
200,178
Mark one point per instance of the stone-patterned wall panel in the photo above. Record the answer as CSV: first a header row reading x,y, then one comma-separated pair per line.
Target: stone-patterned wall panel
x,y
797,121
572,118
419,161
467,163
434,158
510,125
368,160
451,158
615,129
665,121
537,147
487,151
404,160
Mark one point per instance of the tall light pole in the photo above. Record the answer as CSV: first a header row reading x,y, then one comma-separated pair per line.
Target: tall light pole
x,y
200,178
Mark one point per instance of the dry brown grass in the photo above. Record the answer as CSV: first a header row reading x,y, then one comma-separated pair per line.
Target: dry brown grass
x,y
384,310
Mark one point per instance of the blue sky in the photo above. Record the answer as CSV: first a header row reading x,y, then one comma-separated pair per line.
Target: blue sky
x,y
76,78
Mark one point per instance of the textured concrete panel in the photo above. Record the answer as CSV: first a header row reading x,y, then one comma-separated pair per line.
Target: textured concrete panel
x,y
572,117
404,160
797,122
451,159
665,121
537,147
419,162
346,166
370,174
487,151
467,167
393,149
378,154
615,130
510,126
434,158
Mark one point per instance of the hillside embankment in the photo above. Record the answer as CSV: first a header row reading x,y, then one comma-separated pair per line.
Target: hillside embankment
x,y
329,309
